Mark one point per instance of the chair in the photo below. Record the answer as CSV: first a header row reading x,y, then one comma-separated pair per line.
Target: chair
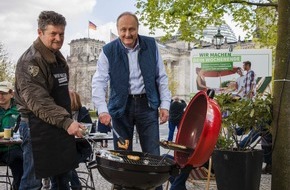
x,y
202,173
6,177
263,84
86,176
84,172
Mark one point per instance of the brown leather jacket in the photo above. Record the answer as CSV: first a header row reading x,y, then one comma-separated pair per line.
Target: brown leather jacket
x,y
34,83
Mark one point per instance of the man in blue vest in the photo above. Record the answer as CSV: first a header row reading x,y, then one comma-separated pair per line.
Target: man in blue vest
x,y
138,85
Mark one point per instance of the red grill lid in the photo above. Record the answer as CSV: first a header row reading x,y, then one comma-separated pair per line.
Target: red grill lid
x,y
199,128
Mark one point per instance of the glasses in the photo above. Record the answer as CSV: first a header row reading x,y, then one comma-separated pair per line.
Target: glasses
x,y
4,93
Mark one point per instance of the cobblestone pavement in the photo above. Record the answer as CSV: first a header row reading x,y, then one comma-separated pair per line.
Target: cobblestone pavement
x,y
102,184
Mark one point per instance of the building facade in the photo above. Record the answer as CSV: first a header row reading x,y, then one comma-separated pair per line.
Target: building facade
x,y
82,60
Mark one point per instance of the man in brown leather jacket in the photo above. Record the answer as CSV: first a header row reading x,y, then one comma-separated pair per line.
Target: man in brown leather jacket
x,y
42,97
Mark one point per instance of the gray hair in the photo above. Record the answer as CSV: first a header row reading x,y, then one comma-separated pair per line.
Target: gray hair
x,y
129,14
50,18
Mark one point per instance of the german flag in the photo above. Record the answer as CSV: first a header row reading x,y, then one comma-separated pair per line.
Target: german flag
x,y
92,26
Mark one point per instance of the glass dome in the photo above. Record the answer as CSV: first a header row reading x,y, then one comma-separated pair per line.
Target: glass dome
x,y
225,30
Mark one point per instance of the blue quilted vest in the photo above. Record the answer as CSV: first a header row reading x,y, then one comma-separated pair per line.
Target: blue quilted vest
x,y
119,74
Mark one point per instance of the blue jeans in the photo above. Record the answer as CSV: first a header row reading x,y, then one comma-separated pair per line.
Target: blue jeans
x,y
138,113
28,180
13,158
74,180
171,126
178,182
250,138
267,147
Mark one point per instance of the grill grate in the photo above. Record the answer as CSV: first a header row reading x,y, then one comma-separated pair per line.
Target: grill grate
x,y
146,160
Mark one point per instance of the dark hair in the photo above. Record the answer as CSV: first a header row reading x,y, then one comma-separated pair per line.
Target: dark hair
x,y
50,18
130,14
247,63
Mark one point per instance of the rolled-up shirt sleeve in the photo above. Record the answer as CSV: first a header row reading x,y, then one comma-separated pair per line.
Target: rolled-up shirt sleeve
x,y
100,84
162,82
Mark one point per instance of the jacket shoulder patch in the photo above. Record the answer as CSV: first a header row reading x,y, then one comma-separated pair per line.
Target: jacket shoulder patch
x,y
33,70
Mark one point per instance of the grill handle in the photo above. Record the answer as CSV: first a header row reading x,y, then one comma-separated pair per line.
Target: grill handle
x,y
210,93
93,164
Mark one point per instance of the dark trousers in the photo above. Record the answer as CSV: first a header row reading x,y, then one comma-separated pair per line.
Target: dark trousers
x,y
171,126
178,182
14,159
146,120
61,181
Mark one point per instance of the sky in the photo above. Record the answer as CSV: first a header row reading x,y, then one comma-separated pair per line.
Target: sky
x,y
18,18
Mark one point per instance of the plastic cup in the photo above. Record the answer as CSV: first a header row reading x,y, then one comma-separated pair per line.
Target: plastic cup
x,y
7,133
88,129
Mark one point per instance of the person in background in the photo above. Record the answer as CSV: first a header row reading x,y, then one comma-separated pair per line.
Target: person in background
x,y
41,94
179,182
81,114
138,86
266,142
103,129
267,148
84,149
176,110
12,155
240,83
249,81
200,81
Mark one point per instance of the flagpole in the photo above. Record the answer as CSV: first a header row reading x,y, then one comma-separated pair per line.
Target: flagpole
x,y
88,29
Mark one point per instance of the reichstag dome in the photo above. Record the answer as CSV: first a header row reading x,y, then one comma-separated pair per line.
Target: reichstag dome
x,y
225,30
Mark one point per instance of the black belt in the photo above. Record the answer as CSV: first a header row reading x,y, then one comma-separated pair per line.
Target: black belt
x,y
137,96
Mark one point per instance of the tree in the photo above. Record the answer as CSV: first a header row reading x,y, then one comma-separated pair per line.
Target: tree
x,y
7,68
281,92
265,20
189,18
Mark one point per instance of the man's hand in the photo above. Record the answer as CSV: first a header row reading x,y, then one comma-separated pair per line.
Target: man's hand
x,y
105,118
164,115
75,129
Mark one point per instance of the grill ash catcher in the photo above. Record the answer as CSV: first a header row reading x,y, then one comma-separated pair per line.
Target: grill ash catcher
x,y
195,141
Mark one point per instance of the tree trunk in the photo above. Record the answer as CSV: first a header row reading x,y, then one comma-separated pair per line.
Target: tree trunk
x,y
281,108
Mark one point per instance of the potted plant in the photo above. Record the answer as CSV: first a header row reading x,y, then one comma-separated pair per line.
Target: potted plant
x,y
236,154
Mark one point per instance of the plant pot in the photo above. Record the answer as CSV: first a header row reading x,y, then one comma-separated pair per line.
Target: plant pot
x,y
238,170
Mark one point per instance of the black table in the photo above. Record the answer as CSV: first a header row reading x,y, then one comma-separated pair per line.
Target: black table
x,y
10,142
